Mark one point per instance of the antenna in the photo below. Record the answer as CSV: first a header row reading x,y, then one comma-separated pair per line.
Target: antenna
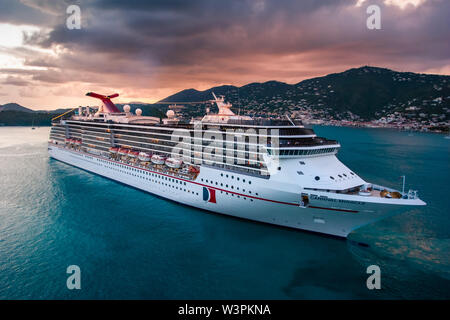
x,y
403,186
239,102
287,116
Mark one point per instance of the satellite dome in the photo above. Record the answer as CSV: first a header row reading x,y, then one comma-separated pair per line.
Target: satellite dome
x,y
138,112
126,108
170,114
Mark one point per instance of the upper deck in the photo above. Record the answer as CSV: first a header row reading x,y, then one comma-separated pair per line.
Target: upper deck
x,y
223,139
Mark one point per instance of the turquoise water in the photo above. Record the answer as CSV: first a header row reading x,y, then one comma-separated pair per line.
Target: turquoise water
x,y
130,244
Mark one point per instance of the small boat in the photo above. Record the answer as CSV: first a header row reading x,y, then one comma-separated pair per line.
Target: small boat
x,y
78,142
144,156
157,159
173,163
67,140
113,150
133,154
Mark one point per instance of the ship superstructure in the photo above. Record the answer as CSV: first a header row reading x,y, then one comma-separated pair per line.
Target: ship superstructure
x,y
268,170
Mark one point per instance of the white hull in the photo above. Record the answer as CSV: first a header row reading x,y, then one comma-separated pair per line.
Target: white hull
x,y
272,202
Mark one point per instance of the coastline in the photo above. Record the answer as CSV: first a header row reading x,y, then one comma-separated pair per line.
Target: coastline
x,y
393,128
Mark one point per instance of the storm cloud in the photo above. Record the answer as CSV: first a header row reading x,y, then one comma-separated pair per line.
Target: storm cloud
x,y
149,49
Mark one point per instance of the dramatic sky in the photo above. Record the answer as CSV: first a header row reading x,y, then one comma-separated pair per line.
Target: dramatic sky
x,y
148,49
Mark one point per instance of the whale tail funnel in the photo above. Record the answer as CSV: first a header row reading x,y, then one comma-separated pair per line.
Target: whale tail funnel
x,y
106,100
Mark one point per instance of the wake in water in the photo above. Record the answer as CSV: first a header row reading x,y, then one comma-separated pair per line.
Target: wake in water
x,y
15,155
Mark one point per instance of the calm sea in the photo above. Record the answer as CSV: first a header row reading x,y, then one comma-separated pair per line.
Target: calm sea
x,y
132,245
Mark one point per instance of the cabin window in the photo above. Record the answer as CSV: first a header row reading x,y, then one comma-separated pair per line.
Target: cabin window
x,y
332,178
300,172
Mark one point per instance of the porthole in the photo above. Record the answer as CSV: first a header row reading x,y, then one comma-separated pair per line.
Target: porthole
x,y
332,178
317,178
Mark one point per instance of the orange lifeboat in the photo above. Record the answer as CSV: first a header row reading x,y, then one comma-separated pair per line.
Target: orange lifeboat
x,y
144,156
133,154
173,163
157,159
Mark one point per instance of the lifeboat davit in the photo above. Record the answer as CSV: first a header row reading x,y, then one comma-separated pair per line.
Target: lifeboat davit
x,y
174,163
133,154
144,156
113,150
123,151
157,159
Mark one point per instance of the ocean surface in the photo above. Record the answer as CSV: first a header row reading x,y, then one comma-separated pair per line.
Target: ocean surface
x,y
132,245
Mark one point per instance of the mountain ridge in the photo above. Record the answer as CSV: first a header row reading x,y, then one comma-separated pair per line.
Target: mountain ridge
x,y
366,92
363,93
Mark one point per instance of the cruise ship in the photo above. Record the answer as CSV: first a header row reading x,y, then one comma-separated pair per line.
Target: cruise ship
x,y
274,171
